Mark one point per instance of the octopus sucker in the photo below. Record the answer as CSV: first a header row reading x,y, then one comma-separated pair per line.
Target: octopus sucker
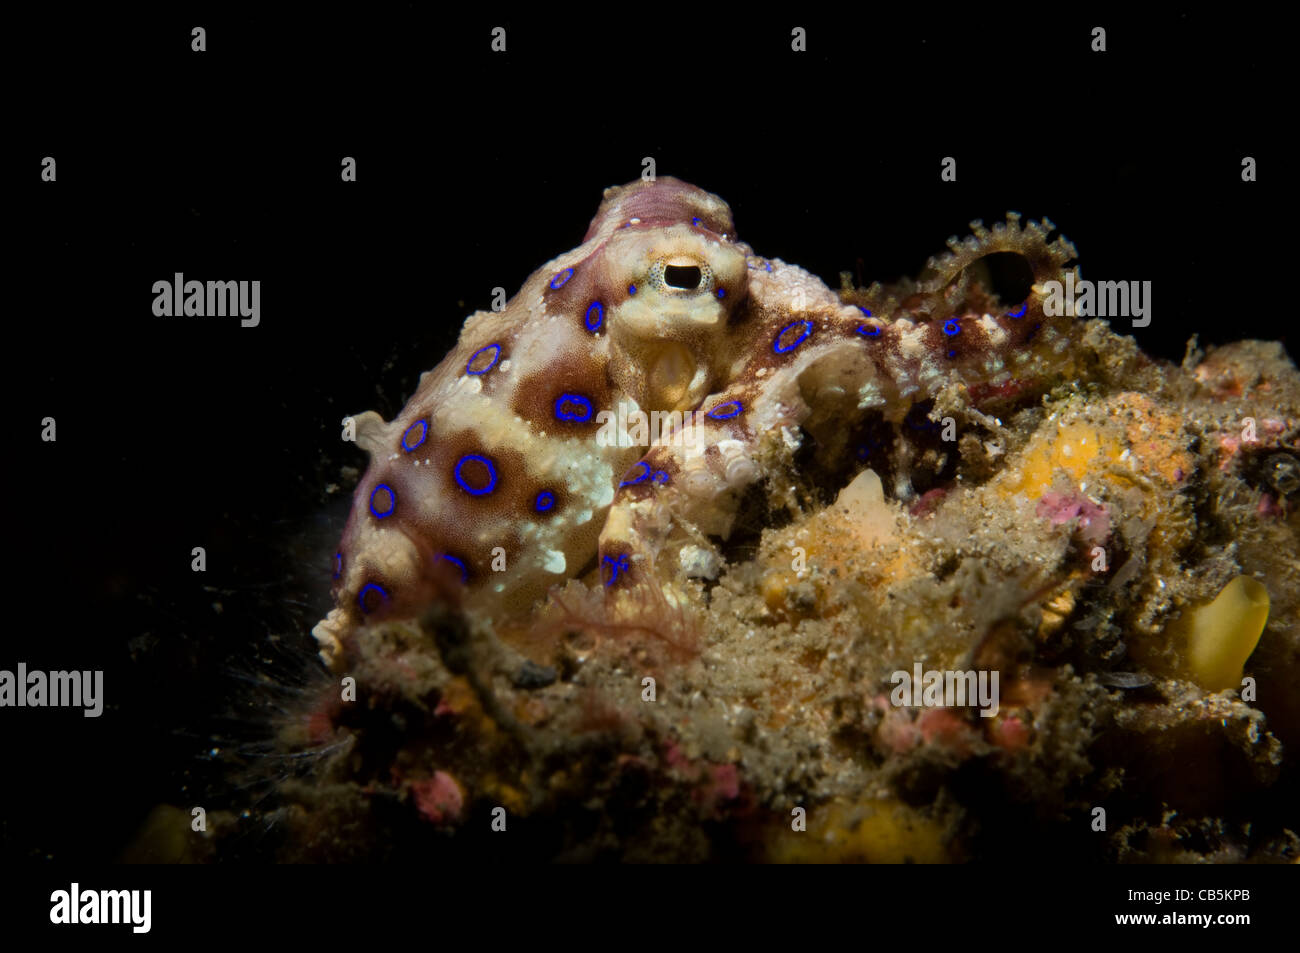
x,y
498,478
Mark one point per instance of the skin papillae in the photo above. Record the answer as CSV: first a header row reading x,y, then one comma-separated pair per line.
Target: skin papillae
x,y
518,463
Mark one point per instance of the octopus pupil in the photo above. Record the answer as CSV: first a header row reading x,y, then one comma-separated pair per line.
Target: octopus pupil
x,y
686,277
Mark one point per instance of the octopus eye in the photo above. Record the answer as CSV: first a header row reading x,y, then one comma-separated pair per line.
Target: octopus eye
x,y
685,277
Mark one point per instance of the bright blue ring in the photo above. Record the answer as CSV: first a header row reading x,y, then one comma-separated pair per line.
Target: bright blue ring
x,y
492,472
545,500
361,596
715,412
1023,308
573,399
660,476
424,433
392,501
807,330
560,278
641,479
464,573
951,327
600,316
696,221
722,292
631,289
869,331
473,357
864,310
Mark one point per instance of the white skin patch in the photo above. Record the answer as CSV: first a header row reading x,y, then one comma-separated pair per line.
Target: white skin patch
x,y
997,335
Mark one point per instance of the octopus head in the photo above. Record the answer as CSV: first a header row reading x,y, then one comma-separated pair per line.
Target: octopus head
x,y
681,276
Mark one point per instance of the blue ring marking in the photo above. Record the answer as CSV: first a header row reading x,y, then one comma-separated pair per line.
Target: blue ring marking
x,y
659,476
338,565
696,221
807,330
599,308
464,573
716,414
952,326
492,475
645,475
869,331
424,433
1023,308
952,353
722,292
631,289
560,278
545,500
616,566
392,501
863,310
473,357
578,399
361,596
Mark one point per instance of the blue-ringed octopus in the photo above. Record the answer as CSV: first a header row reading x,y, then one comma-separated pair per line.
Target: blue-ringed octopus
x,y
523,459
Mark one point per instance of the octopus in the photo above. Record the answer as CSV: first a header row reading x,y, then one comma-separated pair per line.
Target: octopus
x,y
607,422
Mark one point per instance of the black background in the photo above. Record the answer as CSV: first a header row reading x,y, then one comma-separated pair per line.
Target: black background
x,y
474,169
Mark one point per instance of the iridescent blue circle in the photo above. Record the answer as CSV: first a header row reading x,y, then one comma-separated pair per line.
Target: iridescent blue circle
x,y
1019,314
407,445
807,330
696,221
584,413
951,326
474,357
645,475
492,475
464,573
659,476
545,500
560,278
717,412
722,292
869,330
599,310
392,501
368,588
864,310
631,289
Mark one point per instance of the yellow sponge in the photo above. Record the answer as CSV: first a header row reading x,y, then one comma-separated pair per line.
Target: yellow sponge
x,y
1222,634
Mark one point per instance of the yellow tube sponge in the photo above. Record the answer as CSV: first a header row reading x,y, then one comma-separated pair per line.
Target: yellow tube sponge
x,y
1222,634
